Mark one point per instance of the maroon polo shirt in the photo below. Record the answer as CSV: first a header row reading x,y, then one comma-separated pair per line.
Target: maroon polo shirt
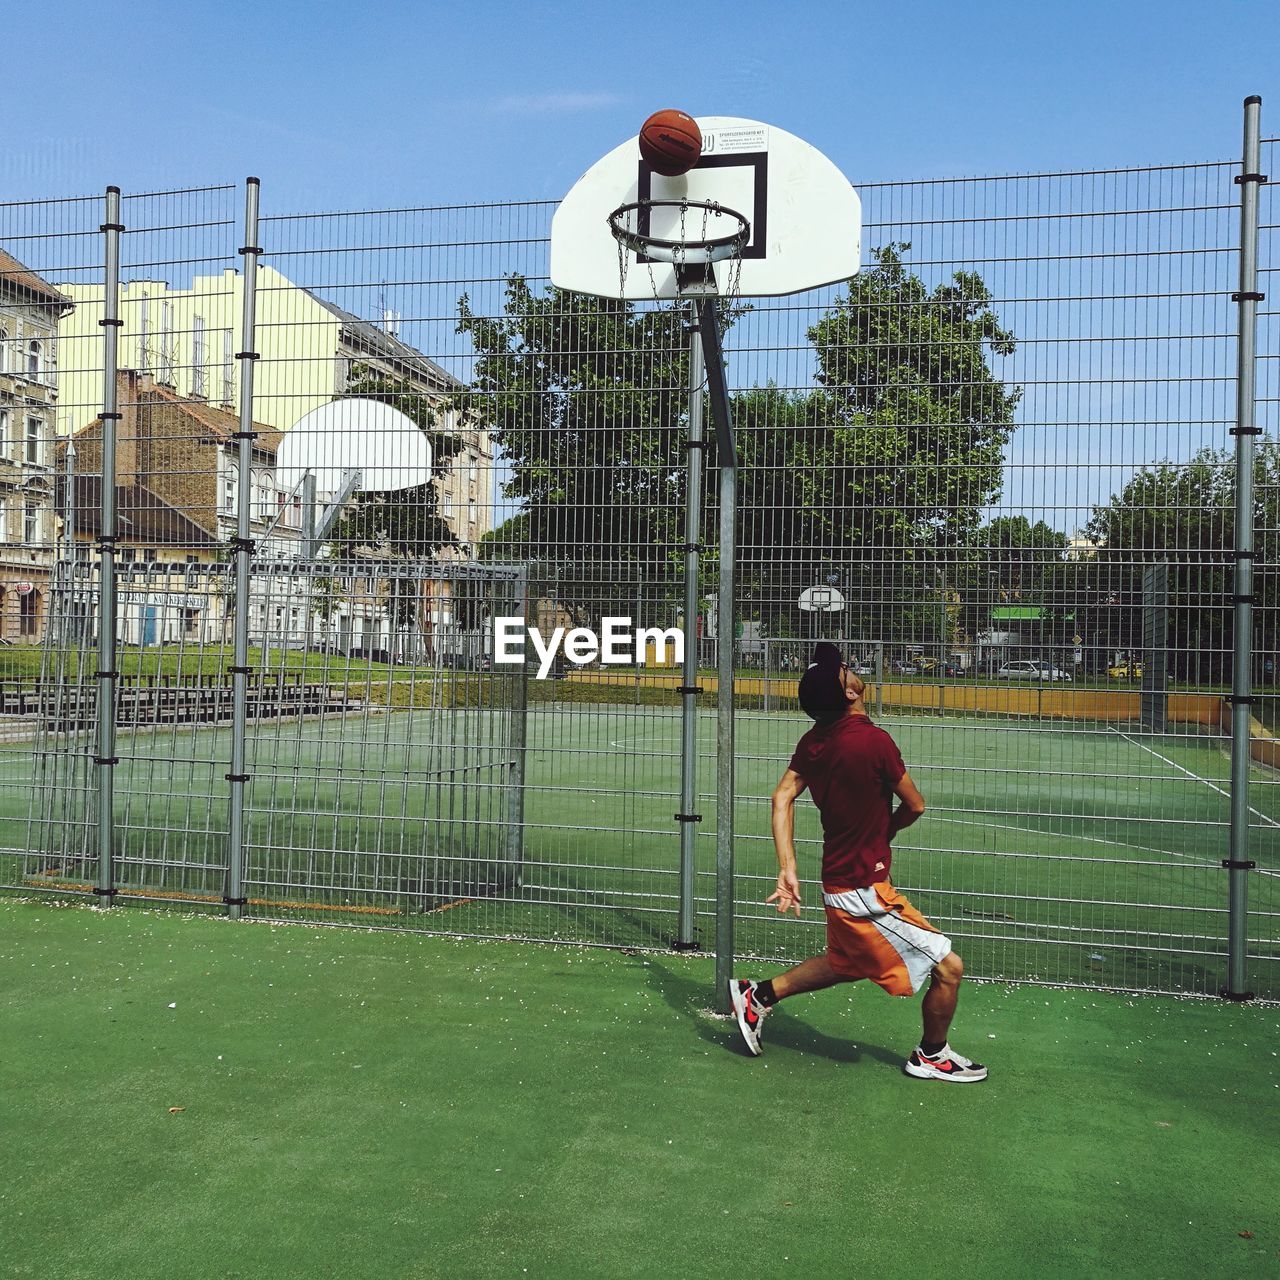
x,y
851,768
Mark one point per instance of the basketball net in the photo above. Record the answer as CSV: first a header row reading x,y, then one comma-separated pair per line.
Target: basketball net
x,y
707,233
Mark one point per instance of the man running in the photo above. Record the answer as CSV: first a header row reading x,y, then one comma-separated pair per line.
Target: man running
x,y
853,770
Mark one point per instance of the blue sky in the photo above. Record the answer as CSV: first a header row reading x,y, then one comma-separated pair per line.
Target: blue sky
x,y
367,105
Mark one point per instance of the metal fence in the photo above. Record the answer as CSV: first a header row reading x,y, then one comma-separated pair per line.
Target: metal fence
x,y
1000,461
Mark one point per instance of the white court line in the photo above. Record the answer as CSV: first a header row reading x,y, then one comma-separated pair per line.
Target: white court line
x,y
1058,835
1207,783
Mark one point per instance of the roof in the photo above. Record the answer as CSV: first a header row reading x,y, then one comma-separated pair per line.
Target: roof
x,y
142,517
382,343
23,280
136,389
217,422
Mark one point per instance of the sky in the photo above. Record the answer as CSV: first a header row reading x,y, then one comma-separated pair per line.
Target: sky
x,y
382,103
397,104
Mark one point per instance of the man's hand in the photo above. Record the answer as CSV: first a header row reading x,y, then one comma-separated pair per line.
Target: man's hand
x,y
787,894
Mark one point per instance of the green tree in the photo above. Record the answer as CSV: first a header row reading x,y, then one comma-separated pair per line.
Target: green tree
x,y
587,399
878,476
1183,515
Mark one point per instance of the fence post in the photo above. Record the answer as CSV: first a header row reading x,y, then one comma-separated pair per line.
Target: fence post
x,y
519,741
233,895
685,940
105,760
1241,697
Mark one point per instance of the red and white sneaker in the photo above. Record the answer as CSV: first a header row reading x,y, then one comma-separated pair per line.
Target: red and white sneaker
x,y
749,1012
945,1065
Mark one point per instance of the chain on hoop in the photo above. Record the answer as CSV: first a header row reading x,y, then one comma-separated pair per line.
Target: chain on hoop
x,y
682,252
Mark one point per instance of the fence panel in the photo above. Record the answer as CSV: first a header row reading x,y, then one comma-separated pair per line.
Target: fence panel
x,y
1000,456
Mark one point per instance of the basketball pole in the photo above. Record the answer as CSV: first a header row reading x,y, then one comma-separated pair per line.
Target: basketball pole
x,y
727,456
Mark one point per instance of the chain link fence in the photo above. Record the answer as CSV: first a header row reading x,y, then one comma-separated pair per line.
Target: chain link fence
x,y
997,467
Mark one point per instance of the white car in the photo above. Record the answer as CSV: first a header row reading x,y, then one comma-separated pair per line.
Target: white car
x,y
1027,670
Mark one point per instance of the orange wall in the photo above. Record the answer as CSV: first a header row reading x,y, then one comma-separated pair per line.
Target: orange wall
x,y
1050,701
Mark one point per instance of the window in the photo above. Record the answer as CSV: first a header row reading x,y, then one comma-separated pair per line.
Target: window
x,y
5,443
166,343
144,334
471,512
447,507
4,518
229,480
34,432
28,612
264,496
31,522
190,621
228,369
199,356
4,350
473,469
35,358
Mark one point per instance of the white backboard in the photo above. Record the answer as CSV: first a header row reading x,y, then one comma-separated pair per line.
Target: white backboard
x,y
384,445
820,600
805,217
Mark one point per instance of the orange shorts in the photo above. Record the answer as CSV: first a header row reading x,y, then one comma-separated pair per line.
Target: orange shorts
x,y
876,933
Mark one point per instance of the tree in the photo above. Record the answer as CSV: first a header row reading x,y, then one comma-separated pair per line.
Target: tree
x,y
879,475
1183,515
587,398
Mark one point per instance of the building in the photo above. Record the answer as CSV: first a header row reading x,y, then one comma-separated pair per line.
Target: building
x,y
310,351
177,494
30,309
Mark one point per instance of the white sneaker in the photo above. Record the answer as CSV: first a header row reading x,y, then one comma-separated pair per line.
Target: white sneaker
x,y
945,1065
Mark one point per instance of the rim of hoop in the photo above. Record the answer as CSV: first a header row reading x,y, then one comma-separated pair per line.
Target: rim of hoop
x,y
681,252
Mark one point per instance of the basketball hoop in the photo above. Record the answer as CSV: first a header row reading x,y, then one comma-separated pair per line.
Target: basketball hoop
x,y
693,256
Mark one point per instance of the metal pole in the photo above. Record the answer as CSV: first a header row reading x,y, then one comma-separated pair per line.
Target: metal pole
x,y
718,388
243,545
70,625
1237,862
688,816
105,760
519,745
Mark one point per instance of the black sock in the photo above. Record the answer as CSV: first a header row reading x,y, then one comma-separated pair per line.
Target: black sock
x,y
932,1047
765,994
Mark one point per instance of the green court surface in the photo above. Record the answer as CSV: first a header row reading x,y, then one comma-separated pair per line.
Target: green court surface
x,y
358,1104
1078,852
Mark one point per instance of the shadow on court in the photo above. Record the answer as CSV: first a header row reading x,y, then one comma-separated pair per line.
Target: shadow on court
x,y
690,998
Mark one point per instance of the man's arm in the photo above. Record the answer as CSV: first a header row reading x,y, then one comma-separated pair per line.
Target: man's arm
x,y
911,808
785,795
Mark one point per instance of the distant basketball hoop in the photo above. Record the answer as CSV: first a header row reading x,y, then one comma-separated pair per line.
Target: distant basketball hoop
x,y
820,600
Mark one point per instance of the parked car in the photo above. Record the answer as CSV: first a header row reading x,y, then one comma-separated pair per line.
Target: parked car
x,y
901,667
863,669
1126,671
1028,669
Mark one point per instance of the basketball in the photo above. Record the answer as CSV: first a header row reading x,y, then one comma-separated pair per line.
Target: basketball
x,y
670,142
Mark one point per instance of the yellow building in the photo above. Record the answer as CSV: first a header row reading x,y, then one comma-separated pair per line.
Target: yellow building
x,y
187,340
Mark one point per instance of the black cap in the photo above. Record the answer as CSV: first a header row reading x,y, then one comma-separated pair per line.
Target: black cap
x,y
821,694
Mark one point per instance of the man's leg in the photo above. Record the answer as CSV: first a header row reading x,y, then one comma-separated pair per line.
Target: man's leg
x,y
939,1005
752,1000
813,974
935,1059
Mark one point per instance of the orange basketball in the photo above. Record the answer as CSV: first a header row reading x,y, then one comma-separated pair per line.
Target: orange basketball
x,y
670,142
